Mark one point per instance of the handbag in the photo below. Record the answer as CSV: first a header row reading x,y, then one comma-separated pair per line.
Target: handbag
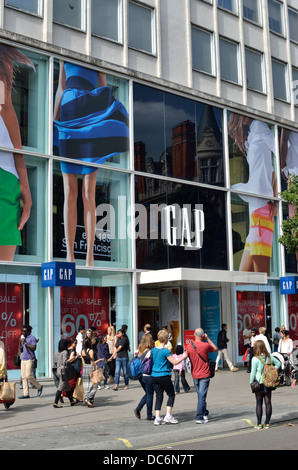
x,y
17,360
210,362
78,392
255,386
96,376
7,392
68,372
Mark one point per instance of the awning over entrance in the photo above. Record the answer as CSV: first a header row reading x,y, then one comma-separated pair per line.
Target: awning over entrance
x,y
190,276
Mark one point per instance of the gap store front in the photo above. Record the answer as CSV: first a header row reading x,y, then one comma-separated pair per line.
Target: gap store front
x,y
156,197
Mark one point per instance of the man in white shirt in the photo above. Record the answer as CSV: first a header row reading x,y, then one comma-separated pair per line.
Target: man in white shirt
x,y
246,338
261,337
80,338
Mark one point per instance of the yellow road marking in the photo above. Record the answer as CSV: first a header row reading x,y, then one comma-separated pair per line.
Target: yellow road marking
x,y
249,422
126,442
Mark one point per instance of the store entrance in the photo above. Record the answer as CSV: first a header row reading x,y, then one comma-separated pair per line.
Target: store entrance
x,y
148,311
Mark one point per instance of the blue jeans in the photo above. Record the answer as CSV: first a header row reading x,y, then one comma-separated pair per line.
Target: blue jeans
x,y
147,399
121,363
202,386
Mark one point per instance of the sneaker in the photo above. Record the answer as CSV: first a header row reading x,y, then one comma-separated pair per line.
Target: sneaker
x,y
258,426
205,418
234,369
107,387
158,421
267,426
98,387
201,421
170,419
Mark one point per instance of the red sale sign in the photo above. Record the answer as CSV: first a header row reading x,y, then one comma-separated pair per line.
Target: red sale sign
x,y
250,311
84,305
11,319
293,316
189,337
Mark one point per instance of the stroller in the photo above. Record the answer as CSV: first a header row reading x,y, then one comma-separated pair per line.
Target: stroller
x,y
286,367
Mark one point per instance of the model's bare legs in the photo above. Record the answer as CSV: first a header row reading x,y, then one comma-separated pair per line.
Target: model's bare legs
x,y
70,183
7,252
88,196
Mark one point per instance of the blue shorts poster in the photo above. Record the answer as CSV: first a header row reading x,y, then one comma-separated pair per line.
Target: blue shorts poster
x,y
210,302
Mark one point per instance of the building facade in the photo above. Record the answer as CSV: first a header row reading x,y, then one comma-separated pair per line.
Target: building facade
x,y
155,140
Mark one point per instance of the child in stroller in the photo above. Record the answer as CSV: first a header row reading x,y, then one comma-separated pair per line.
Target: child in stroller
x,y
286,367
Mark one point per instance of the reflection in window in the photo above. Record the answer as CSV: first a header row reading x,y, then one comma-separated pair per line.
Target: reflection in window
x,y
251,10
154,253
107,19
141,27
254,70
275,11
293,24
30,6
280,77
202,50
229,61
174,134
70,13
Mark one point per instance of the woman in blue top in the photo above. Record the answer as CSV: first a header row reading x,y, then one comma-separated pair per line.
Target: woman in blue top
x,y
264,394
161,378
90,125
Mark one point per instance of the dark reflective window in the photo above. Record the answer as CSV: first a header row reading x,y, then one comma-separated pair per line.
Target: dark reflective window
x,y
153,251
177,137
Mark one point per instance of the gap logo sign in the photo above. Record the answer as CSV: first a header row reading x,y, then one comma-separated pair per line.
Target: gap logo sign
x,y
57,273
289,285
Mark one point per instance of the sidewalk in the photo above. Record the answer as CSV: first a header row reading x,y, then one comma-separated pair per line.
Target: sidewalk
x,y
112,425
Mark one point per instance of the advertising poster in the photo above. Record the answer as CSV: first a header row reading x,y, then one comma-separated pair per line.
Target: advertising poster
x,y
252,170
11,319
293,316
250,311
189,337
91,126
210,303
86,306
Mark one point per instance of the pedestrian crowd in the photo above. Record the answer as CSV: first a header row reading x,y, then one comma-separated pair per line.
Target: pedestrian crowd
x,y
88,363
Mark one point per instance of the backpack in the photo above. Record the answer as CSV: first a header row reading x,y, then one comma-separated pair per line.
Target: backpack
x,y
134,367
147,363
270,377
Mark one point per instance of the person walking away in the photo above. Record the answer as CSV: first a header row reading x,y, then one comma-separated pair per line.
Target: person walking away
x,y
179,371
28,348
89,387
111,340
161,378
197,353
102,360
121,356
145,346
61,358
222,342
276,338
72,357
264,395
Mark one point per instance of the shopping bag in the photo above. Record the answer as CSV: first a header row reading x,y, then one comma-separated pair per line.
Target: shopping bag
x,y
246,356
7,392
96,376
78,392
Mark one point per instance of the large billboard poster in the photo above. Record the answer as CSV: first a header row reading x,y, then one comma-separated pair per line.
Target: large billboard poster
x,y
86,306
293,316
210,305
11,319
91,125
250,311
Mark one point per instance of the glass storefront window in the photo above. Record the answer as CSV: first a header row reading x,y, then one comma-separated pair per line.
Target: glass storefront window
x,y
101,240
177,137
91,122
154,249
254,235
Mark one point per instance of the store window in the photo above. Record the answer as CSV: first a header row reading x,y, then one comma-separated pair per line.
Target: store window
x,y
202,51
255,70
71,14
29,6
107,19
177,137
141,28
156,248
230,5
229,61
276,16
280,80
252,11
91,228
293,24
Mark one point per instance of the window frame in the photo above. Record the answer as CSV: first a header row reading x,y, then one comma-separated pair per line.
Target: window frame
x,y
39,14
282,19
263,73
119,23
296,12
286,75
153,51
212,50
83,27
239,67
259,14
233,12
